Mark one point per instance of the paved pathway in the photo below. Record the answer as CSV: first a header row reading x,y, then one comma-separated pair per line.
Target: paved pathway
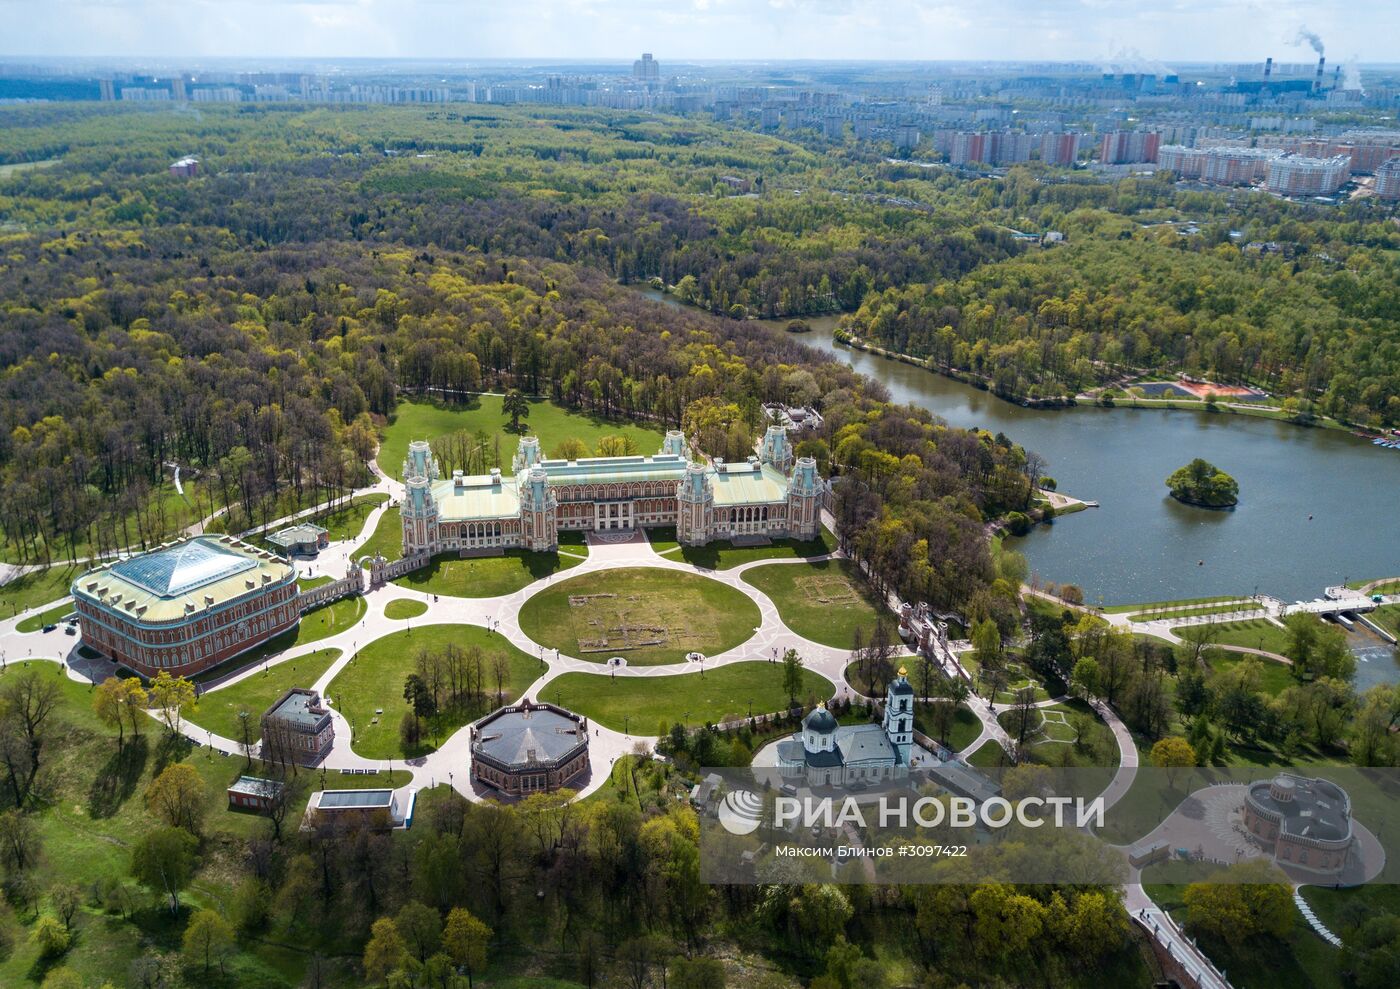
x,y
500,614
451,761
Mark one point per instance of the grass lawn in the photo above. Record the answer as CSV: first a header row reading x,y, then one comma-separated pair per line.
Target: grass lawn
x,y
825,602
29,590
650,617
1051,742
387,538
345,522
330,619
403,608
988,755
373,681
1387,586
307,583
1017,677
1342,909
859,685
427,420
92,815
35,622
1274,678
650,705
1205,609
1159,605
1256,633
1386,616
1048,609
320,623
488,576
963,731
218,710
723,555
348,521
1300,958
662,539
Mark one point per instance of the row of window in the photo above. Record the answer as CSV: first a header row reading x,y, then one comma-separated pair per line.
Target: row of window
x,y
141,652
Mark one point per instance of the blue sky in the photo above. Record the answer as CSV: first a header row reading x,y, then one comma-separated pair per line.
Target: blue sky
x,y
1198,30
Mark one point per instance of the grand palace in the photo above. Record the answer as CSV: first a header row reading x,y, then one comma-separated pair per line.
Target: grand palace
x,y
771,495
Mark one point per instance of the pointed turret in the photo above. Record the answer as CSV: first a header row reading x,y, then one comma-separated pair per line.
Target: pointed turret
x,y
675,444
527,454
776,449
420,462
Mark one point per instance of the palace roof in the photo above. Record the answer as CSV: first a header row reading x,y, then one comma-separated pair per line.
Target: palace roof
x,y
489,497
615,470
748,484
479,496
181,578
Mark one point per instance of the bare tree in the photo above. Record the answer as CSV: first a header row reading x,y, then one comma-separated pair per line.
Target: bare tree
x,y
500,669
26,701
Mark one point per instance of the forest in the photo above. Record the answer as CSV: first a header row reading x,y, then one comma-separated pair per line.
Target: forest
x,y
1303,305
259,324
233,326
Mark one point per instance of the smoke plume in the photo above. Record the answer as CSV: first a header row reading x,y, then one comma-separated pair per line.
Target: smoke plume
x,y
1352,74
1305,36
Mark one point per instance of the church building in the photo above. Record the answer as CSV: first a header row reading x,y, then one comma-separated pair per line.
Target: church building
x,y
825,753
771,495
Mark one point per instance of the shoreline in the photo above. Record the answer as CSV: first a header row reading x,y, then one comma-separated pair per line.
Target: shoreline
x,y
1085,398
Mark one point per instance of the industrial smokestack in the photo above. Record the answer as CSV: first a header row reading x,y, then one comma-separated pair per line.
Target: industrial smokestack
x,y
1321,64
1268,66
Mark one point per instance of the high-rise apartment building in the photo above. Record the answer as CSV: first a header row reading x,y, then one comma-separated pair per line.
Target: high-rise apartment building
x,y
1059,149
1298,175
990,148
646,69
1125,147
1237,166
1181,161
1388,179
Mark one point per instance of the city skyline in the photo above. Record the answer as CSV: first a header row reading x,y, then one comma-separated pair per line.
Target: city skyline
x,y
778,30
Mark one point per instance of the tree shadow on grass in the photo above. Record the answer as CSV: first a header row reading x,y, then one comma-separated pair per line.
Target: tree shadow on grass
x,y
116,779
170,749
541,565
711,555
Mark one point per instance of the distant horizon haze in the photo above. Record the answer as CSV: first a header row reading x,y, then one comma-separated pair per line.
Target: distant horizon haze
x,y
1131,34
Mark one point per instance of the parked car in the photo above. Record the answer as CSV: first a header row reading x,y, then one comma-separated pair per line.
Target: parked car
x,y
50,627
70,629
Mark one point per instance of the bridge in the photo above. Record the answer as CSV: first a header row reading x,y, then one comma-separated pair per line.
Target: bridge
x,y
1336,601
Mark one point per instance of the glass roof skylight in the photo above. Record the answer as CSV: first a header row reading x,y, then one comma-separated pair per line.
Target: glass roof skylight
x,y
177,570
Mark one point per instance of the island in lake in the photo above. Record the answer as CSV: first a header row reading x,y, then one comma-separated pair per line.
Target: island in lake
x,y
1202,483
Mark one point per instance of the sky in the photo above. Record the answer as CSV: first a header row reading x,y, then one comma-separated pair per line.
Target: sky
x,y
1020,30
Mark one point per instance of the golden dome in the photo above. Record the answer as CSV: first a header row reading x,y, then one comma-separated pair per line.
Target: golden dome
x,y
903,672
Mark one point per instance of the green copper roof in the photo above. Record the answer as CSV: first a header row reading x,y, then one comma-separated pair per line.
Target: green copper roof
x,y
740,484
614,470
476,498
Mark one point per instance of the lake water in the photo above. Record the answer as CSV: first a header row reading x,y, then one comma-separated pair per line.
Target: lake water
x,y
1317,507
